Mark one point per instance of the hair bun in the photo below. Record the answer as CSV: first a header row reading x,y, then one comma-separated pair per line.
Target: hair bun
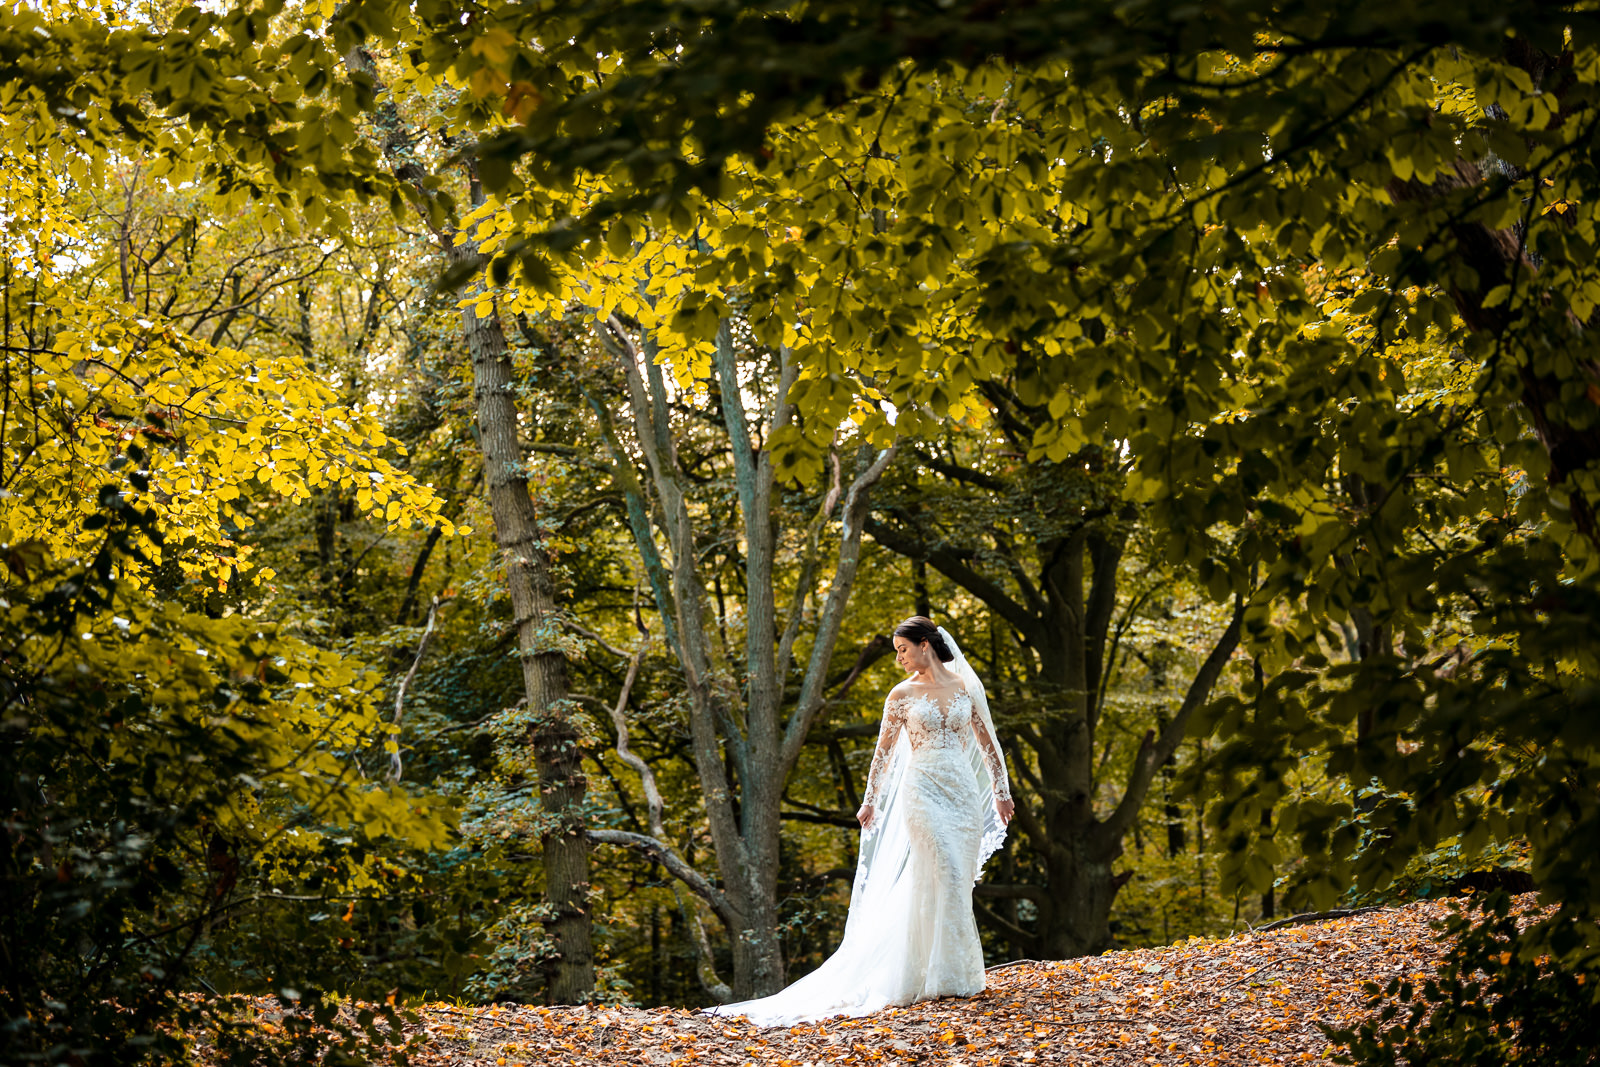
x,y
920,628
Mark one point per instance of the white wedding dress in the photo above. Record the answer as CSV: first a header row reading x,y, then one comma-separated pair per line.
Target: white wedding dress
x,y
910,935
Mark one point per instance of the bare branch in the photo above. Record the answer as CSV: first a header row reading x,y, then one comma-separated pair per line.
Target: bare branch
x,y
813,685
1314,917
808,566
1035,893
957,472
952,566
844,819
400,694
1005,926
753,478
706,968
619,719
705,965
871,652
613,649
664,854
1154,751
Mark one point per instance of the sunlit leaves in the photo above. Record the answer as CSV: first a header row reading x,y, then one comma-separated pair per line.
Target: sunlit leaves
x,y
1256,270
191,430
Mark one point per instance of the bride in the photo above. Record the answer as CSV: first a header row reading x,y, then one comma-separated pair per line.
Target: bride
x,y
936,806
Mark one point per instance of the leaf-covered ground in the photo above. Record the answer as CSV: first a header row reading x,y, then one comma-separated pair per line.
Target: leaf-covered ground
x,y
1251,999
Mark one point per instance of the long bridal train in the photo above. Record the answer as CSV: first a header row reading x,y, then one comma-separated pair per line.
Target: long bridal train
x,y
910,934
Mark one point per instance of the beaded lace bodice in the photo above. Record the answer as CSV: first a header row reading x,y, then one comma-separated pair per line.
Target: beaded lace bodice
x,y
931,725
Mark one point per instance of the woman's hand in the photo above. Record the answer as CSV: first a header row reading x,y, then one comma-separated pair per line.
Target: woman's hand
x,y
864,816
1006,809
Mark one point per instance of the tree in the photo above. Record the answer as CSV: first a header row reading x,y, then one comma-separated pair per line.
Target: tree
x,y
173,762
1042,546
1150,206
746,733
527,573
1136,219
165,756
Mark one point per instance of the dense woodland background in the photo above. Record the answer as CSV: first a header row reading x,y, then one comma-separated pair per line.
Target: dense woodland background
x,y
458,485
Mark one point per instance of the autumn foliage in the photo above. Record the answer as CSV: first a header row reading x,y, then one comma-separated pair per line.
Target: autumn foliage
x,y
1256,998
460,460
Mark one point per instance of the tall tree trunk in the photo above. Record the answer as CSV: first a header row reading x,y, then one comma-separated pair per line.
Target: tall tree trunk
x,y
544,668
919,588
1075,920
565,844
1082,846
1064,616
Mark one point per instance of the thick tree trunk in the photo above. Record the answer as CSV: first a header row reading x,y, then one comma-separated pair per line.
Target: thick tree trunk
x,y
1065,616
758,948
570,974
1080,885
1075,920
544,668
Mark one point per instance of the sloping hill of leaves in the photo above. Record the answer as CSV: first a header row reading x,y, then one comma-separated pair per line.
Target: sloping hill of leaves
x,y
1251,999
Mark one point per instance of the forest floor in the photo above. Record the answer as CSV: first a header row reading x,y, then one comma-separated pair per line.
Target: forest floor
x,y
1255,998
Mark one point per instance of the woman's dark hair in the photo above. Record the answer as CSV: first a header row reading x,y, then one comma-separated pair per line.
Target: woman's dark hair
x,y
920,628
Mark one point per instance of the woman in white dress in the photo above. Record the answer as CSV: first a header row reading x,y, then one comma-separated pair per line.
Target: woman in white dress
x,y
936,806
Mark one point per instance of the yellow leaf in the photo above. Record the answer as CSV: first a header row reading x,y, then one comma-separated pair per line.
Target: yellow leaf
x,y
494,46
486,82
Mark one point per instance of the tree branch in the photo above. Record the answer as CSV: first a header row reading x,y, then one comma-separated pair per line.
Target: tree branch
x,y
960,473
1005,926
753,478
952,567
1314,917
823,737
1104,555
664,854
1153,753
870,653
1034,893
708,715
395,766
706,968
843,819
812,686
619,720
609,647
808,567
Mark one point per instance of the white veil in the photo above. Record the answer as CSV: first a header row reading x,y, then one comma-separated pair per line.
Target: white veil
x,y
994,828
865,974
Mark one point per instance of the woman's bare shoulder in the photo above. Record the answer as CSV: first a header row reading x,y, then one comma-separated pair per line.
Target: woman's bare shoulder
x,y
904,691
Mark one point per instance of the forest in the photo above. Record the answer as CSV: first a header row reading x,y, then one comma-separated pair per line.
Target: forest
x,y
461,464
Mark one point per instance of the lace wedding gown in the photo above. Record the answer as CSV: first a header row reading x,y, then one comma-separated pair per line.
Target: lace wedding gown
x,y
910,935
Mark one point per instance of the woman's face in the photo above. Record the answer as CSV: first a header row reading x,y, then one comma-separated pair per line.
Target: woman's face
x,y
911,657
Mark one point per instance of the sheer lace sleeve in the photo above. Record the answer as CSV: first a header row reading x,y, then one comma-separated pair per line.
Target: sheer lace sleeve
x,y
894,719
991,757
